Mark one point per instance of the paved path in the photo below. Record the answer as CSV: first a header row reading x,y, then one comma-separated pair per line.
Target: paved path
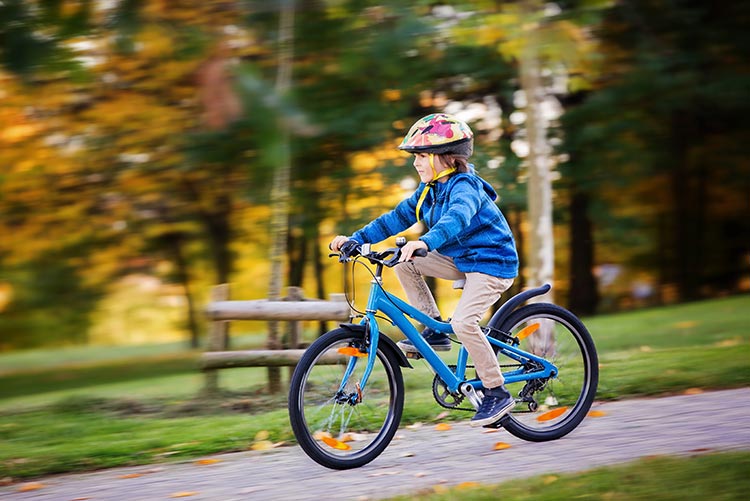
x,y
422,458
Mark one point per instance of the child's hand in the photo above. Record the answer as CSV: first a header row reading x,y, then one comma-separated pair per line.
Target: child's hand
x,y
337,242
407,251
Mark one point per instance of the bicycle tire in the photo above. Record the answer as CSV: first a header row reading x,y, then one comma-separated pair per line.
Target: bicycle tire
x,y
568,396
330,427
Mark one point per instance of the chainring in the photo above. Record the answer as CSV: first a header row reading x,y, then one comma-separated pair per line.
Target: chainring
x,y
445,398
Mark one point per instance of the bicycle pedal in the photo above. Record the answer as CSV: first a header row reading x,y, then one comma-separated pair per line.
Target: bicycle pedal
x,y
413,355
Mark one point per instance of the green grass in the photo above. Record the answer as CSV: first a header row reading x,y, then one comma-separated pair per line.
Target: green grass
x,y
713,476
86,410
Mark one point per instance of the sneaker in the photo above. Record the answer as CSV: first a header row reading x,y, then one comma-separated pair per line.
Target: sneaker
x,y
497,402
438,340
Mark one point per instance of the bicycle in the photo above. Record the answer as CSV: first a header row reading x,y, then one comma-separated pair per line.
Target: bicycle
x,y
346,394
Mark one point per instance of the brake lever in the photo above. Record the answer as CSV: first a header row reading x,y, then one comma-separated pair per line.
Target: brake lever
x,y
394,260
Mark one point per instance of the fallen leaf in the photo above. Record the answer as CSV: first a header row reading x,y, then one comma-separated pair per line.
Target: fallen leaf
x,y
202,462
693,391
728,343
31,486
596,414
442,415
383,473
440,489
501,445
415,426
262,435
183,494
553,414
549,479
467,485
130,475
407,455
442,427
263,445
318,435
353,437
491,430
686,324
6,481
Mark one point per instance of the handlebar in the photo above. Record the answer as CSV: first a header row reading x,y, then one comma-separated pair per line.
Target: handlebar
x,y
351,249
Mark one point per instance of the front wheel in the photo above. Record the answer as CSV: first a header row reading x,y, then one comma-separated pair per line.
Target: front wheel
x,y
548,409
337,423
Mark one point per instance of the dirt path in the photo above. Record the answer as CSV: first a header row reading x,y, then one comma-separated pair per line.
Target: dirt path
x,y
423,457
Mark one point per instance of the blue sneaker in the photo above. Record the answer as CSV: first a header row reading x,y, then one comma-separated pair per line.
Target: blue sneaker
x,y
438,340
497,402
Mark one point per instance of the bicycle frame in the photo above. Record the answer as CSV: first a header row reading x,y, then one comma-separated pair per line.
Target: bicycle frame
x,y
399,312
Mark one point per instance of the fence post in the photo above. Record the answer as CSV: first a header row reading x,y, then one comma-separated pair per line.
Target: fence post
x,y
217,338
294,326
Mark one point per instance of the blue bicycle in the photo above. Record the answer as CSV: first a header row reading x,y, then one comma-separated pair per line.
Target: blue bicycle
x,y
346,394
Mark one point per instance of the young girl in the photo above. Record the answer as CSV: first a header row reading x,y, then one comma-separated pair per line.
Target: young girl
x,y
467,239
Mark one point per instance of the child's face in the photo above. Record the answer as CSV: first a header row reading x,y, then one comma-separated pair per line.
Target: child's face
x,y
422,164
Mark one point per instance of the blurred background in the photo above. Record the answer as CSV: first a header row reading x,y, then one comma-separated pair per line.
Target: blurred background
x,y
150,149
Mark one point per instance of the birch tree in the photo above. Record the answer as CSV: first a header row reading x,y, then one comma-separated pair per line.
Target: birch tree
x,y
280,189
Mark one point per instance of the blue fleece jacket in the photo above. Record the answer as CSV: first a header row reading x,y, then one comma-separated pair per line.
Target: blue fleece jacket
x,y
463,222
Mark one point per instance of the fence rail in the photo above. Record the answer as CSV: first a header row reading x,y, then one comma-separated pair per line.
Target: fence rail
x,y
293,309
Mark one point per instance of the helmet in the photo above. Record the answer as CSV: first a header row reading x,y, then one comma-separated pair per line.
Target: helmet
x,y
439,133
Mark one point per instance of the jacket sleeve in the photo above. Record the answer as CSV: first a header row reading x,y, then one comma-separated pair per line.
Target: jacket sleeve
x,y
390,223
464,202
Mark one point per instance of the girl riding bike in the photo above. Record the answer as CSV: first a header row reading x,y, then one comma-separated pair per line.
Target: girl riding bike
x,y
467,239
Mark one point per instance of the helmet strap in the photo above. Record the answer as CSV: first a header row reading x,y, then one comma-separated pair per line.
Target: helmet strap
x,y
435,177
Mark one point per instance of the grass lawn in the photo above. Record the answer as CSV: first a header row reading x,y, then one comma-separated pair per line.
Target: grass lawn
x,y
713,476
81,410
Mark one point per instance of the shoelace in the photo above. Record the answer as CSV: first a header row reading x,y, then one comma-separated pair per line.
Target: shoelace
x,y
487,402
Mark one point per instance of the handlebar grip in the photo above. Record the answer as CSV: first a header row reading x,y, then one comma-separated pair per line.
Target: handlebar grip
x,y
420,253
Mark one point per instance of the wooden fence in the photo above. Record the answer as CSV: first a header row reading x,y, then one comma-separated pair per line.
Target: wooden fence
x,y
293,309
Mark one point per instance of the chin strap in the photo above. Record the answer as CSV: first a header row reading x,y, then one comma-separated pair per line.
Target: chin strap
x,y
435,177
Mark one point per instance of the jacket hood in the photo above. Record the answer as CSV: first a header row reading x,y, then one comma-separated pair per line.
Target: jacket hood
x,y
478,181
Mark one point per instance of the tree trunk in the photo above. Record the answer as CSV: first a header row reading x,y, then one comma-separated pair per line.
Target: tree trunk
x,y
281,181
183,276
319,273
297,252
583,295
541,238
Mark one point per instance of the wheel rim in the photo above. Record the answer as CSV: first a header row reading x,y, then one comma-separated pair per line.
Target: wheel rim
x,y
337,425
553,406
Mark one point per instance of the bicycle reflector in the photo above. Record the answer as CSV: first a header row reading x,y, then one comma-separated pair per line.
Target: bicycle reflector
x,y
351,351
336,444
528,330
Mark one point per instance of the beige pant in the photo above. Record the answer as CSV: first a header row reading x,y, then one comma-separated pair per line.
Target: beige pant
x,y
480,292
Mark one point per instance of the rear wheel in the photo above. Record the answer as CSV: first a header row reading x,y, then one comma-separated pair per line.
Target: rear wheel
x,y
338,424
548,409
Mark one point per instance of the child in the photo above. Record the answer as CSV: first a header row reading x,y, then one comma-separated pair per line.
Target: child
x,y
467,239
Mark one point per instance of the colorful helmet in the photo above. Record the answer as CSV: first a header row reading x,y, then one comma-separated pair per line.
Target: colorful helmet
x,y
439,133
